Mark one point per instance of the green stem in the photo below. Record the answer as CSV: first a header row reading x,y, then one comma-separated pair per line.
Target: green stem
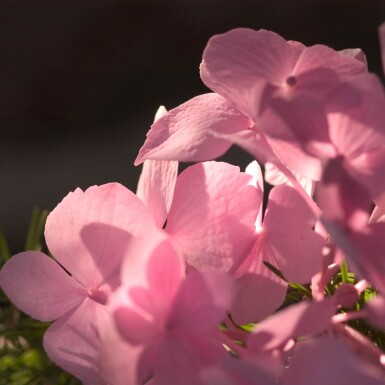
x,y
344,272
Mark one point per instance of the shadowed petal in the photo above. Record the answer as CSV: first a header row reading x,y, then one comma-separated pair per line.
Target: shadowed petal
x,y
289,222
328,361
73,341
302,319
259,294
111,206
212,215
202,301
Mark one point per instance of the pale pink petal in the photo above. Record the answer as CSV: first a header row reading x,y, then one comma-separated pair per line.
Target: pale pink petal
x,y
39,286
260,293
187,132
202,302
156,187
141,305
289,223
355,53
109,206
369,244
341,198
328,361
165,272
328,66
303,121
359,135
302,319
292,155
161,111
119,360
138,254
238,64
135,326
254,169
73,341
253,141
212,216
275,177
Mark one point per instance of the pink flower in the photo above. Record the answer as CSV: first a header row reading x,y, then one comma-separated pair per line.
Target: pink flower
x,y
284,87
88,233
285,239
210,210
169,323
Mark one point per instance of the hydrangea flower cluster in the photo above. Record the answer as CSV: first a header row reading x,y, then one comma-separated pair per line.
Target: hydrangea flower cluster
x,y
204,278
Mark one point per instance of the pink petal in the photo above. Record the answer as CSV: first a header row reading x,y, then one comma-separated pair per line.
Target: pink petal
x,y
133,271
289,223
319,57
341,198
133,327
359,135
369,244
212,215
238,64
355,53
302,319
275,177
119,361
39,286
253,141
112,214
141,306
254,169
292,155
328,361
187,133
232,371
156,187
182,358
73,341
303,121
202,302
260,293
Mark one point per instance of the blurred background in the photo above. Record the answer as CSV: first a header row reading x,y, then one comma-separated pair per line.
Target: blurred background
x,y
80,81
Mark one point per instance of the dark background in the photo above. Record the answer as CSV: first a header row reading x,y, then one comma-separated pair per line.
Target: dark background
x,y
80,81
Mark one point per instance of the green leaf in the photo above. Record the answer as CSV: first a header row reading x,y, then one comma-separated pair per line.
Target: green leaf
x,y
34,238
5,253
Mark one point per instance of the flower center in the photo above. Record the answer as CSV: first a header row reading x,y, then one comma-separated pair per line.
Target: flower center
x,y
98,296
291,81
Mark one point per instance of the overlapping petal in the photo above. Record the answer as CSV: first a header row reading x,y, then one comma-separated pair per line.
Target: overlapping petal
x,y
212,215
289,224
156,187
240,63
73,341
111,205
187,132
303,319
328,361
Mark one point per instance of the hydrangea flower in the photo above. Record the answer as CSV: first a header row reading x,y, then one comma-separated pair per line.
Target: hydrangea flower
x,y
87,233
